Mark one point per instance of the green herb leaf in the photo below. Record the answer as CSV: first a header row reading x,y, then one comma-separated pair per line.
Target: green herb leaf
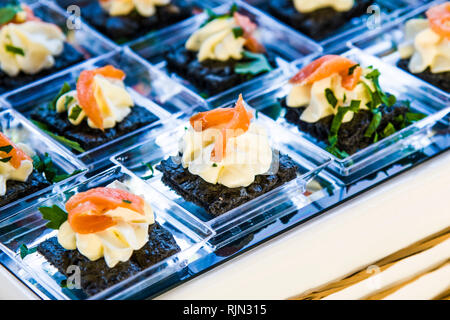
x,y
14,50
388,130
258,64
337,120
126,201
75,112
331,98
214,165
238,32
64,89
5,160
374,123
8,12
413,116
67,101
24,251
375,137
336,152
68,143
352,69
61,177
7,149
55,215
149,166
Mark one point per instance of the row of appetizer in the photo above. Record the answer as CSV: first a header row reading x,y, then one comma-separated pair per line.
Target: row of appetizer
x,y
226,51
225,156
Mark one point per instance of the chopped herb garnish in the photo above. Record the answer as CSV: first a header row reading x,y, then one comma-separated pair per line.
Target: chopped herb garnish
x,y
238,32
67,101
256,114
258,64
6,149
213,16
126,201
149,166
24,250
75,112
374,123
44,164
412,116
337,120
55,216
64,89
375,137
331,98
336,152
379,96
4,160
214,165
352,69
14,50
68,143
390,129
345,97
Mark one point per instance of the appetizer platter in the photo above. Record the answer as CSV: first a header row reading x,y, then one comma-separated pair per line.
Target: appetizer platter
x,y
142,166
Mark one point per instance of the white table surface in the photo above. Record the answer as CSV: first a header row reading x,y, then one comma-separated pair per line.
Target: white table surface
x,y
373,225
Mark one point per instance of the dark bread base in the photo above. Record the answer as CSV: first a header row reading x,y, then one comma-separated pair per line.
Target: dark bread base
x,y
209,77
96,275
217,199
67,58
351,134
132,26
87,137
16,190
317,24
440,80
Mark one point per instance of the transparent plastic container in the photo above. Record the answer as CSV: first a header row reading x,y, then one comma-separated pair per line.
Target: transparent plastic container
x,y
285,44
378,14
19,130
383,42
149,87
423,99
81,37
198,6
282,200
29,228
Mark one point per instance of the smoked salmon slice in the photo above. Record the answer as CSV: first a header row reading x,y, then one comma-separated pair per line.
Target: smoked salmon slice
x,y
249,27
86,209
326,66
85,91
439,18
230,122
17,155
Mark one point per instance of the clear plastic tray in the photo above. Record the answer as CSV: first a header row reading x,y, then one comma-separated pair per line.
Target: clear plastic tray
x,y
28,227
386,10
17,128
284,43
385,151
149,87
197,5
383,42
284,199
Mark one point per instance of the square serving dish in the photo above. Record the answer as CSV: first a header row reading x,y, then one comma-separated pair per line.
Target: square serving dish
x,y
148,86
378,14
19,130
383,42
385,151
284,44
29,228
83,6
82,38
275,203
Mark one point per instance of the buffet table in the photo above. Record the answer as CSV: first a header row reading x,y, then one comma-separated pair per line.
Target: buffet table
x,y
347,238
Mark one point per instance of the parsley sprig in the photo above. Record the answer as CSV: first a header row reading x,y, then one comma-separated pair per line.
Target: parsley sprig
x,y
44,164
67,142
9,10
55,216
254,64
